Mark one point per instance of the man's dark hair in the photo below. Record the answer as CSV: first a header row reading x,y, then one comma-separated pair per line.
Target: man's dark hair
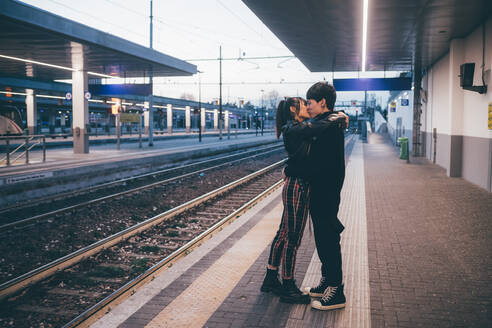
x,y
323,90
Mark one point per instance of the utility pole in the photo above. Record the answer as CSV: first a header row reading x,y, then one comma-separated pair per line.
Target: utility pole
x,y
262,110
220,93
151,99
199,108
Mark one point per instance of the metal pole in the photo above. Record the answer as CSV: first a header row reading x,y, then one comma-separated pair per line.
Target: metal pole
x,y
199,107
8,151
220,93
151,100
27,150
118,131
44,149
140,131
416,110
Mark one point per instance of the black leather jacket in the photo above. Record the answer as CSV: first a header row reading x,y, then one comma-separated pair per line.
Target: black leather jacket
x,y
298,137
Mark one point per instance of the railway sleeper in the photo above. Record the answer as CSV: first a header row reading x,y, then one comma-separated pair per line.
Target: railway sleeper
x,y
46,310
72,292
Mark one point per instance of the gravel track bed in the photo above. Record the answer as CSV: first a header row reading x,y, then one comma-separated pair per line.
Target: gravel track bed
x,y
58,299
41,243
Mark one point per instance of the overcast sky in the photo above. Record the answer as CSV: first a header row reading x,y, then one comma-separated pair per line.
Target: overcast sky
x,y
194,29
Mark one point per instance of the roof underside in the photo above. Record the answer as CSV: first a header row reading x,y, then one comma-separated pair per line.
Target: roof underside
x,y
30,33
327,35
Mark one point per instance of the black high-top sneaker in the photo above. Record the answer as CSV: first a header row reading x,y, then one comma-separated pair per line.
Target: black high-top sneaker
x,y
318,290
292,294
333,298
271,283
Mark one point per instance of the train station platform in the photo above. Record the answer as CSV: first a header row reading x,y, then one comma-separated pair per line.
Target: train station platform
x,y
64,170
416,253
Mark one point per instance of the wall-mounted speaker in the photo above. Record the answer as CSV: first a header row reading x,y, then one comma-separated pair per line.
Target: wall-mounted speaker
x,y
466,74
466,78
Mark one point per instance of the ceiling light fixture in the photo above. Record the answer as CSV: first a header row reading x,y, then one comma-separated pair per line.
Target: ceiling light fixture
x,y
53,66
364,33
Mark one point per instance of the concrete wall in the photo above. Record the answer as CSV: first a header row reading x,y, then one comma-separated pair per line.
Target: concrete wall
x,y
464,143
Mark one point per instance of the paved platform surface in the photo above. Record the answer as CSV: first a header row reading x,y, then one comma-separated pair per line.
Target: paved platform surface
x,y
416,253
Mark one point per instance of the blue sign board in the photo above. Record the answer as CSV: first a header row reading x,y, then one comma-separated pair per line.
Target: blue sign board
x,y
404,102
373,84
120,89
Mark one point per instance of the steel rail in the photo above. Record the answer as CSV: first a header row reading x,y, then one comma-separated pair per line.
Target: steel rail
x,y
18,223
120,181
68,260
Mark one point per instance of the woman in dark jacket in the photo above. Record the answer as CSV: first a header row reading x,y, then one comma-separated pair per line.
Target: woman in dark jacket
x,y
297,134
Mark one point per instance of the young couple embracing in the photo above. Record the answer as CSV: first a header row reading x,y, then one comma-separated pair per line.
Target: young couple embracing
x,y
313,136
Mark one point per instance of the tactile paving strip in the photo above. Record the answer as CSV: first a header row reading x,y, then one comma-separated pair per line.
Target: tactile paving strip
x,y
354,259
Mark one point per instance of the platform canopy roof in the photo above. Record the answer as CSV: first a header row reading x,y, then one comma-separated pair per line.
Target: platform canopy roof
x,y
29,33
326,35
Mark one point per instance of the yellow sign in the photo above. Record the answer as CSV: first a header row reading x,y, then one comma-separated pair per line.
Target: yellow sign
x,y
129,118
490,115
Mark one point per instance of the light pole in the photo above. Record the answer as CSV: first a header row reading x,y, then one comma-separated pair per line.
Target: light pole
x,y
262,110
151,99
220,94
199,106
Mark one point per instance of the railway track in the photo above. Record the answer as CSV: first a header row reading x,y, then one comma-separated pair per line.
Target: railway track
x,y
82,285
42,242
76,199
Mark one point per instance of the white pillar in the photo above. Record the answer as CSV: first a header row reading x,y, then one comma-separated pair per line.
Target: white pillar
x,y
456,107
203,118
216,119
146,122
32,111
169,110
80,112
187,119
226,121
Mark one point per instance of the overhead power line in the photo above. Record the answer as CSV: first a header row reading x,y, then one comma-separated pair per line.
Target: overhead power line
x,y
241,58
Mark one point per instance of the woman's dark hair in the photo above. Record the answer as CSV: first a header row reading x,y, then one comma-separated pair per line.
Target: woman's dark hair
x,y
284,114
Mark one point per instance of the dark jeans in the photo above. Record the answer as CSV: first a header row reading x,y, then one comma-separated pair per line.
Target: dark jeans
x,y
327,229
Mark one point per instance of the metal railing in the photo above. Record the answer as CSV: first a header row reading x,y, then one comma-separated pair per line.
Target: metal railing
x,y
27,143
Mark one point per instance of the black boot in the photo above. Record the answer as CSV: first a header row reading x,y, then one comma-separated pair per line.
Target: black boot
x,y
271,283
292,294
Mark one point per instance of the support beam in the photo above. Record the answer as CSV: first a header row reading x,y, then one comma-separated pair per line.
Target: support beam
x,y
456,107
203,118
226,121
169,112
417,112
32,111
216,120
187,119
146,122
80,112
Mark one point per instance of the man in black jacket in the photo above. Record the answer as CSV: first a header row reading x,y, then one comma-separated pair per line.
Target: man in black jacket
x,y
327,165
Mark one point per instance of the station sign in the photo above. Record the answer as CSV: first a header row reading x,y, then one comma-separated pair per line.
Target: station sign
x,y
392,106
68,96
121,89
490,115
87,95
373,84
129,118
